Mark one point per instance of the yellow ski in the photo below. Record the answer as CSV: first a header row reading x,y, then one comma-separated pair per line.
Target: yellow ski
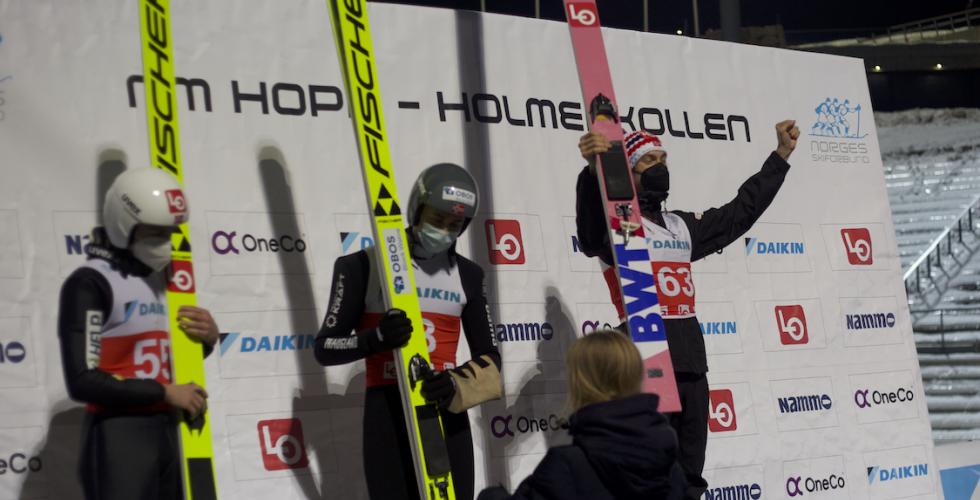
x,y
156,44
351,28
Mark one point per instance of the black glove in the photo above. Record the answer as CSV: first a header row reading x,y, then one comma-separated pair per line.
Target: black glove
x,y
439,388
393,331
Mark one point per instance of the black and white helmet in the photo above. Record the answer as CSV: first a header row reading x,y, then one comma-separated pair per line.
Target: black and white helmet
x,y
446,187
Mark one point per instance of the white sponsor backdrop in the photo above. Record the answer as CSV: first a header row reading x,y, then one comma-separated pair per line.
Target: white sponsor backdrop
x,y
275,197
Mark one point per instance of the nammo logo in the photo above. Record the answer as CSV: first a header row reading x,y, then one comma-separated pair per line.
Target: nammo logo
x,y
281,442
12,352
228,242
504,242
799,485
502,426
746,491
721,411
857,244
523,332
866,398
791,323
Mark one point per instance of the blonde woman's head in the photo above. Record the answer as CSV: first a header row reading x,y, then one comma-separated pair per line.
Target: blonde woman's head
x,y
602,366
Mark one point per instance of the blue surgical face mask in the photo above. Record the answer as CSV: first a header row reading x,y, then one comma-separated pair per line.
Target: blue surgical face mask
x,y
433,240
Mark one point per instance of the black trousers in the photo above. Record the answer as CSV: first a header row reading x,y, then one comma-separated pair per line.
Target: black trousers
x,y
388,465
691,426
125,457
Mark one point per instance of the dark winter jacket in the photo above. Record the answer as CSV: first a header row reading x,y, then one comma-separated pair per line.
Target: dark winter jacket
x,y
621,449
711,231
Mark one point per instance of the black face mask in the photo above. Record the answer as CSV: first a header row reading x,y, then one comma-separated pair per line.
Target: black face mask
x,y
654,184
656,179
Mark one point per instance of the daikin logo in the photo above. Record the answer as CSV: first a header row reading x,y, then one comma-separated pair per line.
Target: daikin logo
x,y
670,244
439,294
353,241
264,343
755,246
877,473
719,328
747,491
144,308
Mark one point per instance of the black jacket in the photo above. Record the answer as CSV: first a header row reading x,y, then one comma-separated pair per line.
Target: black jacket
x,y
711,231
621,449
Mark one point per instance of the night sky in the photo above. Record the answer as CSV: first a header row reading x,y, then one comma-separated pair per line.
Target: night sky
x,y
803,20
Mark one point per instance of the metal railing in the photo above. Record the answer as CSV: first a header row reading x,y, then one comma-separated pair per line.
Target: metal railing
x,y
944,326
920,273
934,26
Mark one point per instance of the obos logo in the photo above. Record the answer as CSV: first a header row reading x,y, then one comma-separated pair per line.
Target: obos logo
x,y
12,352
228,242
721,411
523,332
504,241
867,398
734,492
281,442
857,245
836,133
502,426
798,485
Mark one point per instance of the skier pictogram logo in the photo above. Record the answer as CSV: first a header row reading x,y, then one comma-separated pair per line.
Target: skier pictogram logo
x,y
582,14
504,241
386,204
281,442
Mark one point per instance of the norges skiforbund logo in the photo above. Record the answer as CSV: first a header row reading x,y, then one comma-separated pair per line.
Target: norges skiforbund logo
x,y
836,134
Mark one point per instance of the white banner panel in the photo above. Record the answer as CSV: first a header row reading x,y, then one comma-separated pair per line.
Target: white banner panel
x,y
813,370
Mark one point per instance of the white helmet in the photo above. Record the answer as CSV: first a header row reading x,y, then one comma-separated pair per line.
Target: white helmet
x,y
147,196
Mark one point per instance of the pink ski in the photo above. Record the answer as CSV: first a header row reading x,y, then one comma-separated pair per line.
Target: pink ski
x,y
629,247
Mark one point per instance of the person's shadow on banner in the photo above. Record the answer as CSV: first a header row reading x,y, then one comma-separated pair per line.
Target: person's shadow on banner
x,y
500,422
312,394
57,476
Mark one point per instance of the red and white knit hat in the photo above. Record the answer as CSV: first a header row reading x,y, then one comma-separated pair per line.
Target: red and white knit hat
x,y
640,143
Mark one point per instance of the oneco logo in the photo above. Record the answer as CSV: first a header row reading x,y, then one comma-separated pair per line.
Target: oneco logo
x,y
796,486
865,398
19,463
509,425
225,242
522,332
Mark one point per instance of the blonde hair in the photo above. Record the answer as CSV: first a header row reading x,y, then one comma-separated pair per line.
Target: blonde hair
x,y
602,366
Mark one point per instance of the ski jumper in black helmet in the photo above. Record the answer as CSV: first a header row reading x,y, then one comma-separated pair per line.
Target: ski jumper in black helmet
x,y
452,298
